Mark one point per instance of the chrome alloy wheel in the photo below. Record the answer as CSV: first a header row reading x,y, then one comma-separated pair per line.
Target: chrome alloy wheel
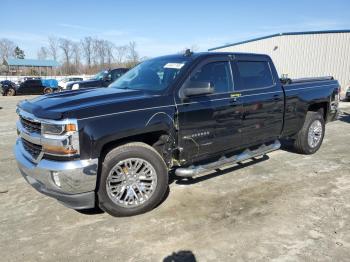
x,y
131,182
315,134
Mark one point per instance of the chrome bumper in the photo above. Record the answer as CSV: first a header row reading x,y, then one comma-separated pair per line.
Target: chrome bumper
x,y
71,182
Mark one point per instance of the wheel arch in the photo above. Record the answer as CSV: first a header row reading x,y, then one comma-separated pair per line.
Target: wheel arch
x,y
149,138
321,107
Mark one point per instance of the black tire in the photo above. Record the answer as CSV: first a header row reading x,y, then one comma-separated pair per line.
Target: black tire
x,y
132,150
48,90
11,92
301,143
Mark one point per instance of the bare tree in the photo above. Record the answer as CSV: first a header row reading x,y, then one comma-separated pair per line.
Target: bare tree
x,y
133,55
96,51
109,50
102,50
53,47
7,48
43,53
121,53
76,55
87,44
66,46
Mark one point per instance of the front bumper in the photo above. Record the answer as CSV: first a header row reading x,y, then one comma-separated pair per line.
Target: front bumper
x,y
72,183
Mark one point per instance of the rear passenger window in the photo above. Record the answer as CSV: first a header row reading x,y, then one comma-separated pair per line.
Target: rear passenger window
x,y
254,74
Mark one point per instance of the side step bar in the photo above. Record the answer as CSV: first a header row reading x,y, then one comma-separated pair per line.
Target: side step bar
x,y
247,154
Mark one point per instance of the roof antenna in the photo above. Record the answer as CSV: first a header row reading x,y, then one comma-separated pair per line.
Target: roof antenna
x,y
188,52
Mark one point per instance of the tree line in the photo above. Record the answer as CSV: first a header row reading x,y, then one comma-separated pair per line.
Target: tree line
x,y
87,56
9,49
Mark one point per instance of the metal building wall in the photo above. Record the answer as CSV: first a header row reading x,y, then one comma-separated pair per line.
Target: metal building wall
x,y
305,55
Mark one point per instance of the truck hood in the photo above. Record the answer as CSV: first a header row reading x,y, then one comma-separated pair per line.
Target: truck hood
x,y
86,103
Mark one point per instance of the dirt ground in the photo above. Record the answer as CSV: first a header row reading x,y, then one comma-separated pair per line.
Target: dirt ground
x,y
285,207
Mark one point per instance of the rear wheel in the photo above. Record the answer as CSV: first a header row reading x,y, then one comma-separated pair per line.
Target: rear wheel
x,y
310,137
11,92
48,90
134,180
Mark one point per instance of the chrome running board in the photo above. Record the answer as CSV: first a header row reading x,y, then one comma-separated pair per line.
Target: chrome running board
x,y
224,161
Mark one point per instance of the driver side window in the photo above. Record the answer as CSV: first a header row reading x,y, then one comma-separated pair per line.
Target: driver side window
x,y
217,74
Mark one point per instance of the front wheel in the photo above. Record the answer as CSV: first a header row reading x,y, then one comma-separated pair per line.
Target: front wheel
x,y
310,137
134,180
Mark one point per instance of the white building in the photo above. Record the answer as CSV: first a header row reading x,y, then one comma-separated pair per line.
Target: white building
x,y
303,54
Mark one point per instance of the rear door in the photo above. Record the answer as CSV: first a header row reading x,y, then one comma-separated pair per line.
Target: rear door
x,y
262,98
209,124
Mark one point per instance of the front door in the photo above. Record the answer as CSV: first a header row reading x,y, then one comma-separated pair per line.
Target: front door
x,y
26,88
208,124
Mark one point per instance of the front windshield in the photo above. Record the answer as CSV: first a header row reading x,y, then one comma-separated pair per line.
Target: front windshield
x,y
153,75
100,75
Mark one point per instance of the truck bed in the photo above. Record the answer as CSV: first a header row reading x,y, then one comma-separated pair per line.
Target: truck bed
x,y
288,81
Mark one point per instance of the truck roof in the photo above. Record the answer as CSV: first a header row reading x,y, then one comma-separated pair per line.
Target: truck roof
x,y
209,54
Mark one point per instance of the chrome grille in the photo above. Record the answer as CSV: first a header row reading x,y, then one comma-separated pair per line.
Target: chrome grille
x,y
30,125
33,149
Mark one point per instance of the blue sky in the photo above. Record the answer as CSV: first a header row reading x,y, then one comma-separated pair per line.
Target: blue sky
x,y
162,27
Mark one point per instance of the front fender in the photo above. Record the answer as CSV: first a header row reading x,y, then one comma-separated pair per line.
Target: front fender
x,y
97,132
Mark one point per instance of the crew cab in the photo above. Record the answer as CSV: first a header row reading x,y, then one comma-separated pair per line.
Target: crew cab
x,y
101,79
188,114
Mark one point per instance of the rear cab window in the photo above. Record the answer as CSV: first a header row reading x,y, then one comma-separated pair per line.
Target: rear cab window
x,y
254,75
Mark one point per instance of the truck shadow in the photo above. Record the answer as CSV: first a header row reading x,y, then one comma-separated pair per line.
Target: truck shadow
x,y
189,181
344,117
287,145
181,256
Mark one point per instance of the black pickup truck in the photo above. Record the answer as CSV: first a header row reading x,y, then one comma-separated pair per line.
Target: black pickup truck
x,y
101,79
188,114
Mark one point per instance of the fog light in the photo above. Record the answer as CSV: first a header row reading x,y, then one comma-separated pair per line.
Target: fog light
x,y
55,178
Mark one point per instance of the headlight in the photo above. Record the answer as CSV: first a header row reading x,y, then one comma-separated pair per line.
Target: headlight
x,y
53,129
60,139
75,87
50,129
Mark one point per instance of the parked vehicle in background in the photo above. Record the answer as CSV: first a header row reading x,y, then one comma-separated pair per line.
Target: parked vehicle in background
x,y
23,79
102,79
347,94
114,147
62,84
7,88
31,87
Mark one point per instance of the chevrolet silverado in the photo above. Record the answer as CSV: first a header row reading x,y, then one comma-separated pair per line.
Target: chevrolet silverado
x,y
189,114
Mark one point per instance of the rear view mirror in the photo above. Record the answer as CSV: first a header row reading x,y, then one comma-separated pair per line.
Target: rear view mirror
x,y
195,88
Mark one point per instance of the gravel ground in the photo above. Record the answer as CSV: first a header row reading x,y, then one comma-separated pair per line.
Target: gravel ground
x,y
285,207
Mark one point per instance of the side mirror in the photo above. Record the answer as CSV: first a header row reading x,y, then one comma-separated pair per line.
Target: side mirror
x,y
195,88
